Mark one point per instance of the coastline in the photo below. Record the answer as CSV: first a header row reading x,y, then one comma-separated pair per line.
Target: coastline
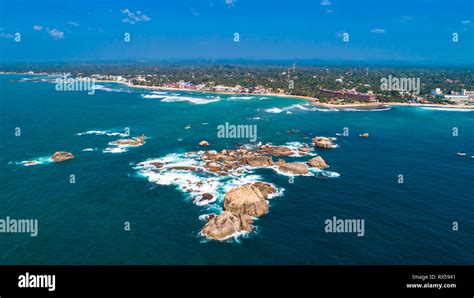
x,y
312,100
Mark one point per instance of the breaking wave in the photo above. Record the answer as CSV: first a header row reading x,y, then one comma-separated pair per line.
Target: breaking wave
x,y
103,133
447,109
180,98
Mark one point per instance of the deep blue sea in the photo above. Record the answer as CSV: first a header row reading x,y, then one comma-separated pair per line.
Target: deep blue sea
x,y
83,222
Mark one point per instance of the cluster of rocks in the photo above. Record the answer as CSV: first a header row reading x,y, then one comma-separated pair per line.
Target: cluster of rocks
x,y
61,156
242,204
136,141
324,142
228,160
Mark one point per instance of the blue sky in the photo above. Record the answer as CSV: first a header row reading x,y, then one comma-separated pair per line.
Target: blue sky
x,y
411,31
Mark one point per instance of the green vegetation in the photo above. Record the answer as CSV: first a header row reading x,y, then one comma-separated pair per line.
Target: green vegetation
x,y
307,80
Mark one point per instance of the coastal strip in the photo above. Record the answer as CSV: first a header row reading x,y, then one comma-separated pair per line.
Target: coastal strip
x,y
312,100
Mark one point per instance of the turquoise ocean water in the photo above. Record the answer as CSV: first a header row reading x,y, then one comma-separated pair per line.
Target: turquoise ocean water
x,y
83,223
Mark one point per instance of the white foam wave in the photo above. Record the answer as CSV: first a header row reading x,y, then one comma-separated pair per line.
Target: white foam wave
x,y
324,173
107,89
274,110
447,109
36,161
309,107
152,96
365,110
102,133
293,146
241,97
115,150
179,98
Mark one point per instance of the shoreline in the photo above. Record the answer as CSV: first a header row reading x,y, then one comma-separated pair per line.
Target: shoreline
x,y
311,100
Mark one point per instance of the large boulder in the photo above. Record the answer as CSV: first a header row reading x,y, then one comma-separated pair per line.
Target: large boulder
x,y
364,135
226,225
214,166
246,199
259,161
137,141
304,149
203,143
265,188
280,151
323,142
61,156
294,168
317,162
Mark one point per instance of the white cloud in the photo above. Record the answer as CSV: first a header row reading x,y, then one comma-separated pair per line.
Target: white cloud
x,y
378,30
6,35
325,2
55,33
134,17
74,24
195,13
95,29
406,18
37,27
465,22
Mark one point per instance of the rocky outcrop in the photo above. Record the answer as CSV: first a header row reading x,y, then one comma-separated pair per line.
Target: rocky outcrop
x,y
364,135
275,150
317,162
294,168
265,188
157,164
323,142
247,199
304,149
226,225
241,204
206,198
203,143
280,151
137,141
61,156
259,161
214,166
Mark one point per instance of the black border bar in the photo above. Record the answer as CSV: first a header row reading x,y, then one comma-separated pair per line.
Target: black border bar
x,y
241,281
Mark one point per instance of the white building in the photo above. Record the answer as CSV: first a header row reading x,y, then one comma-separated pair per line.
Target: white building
x,y
436,92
